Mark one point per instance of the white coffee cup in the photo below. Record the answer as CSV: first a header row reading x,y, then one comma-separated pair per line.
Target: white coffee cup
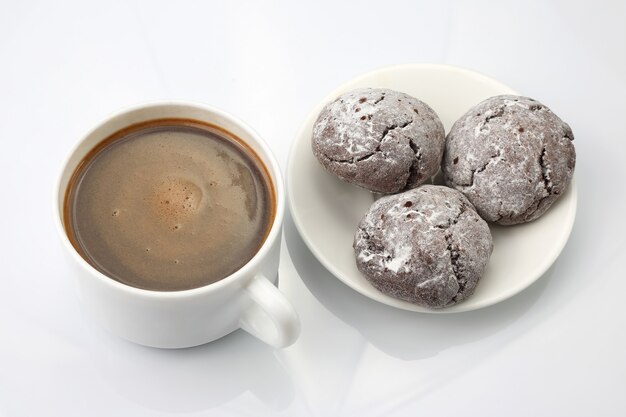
x,y
246,299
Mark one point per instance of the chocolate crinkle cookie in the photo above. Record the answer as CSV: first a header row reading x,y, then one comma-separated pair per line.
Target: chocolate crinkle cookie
x,y
379,139
427,246
511,157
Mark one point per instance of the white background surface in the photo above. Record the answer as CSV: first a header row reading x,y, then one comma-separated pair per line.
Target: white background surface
x,y
556,349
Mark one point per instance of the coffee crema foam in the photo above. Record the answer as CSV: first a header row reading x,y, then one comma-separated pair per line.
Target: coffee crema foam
x,y
169,205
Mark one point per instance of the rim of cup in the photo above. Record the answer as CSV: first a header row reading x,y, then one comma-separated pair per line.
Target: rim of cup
x,y
268,158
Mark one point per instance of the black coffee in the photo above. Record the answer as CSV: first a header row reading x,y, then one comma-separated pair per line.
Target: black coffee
x,y
170,204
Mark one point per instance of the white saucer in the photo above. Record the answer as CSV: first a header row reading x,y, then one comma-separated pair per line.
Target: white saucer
x,y
327,210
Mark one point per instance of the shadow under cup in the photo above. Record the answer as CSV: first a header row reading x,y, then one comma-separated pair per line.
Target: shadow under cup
x,y
247,298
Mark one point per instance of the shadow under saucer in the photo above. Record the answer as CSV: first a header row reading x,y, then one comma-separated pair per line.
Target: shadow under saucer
x,y
403,334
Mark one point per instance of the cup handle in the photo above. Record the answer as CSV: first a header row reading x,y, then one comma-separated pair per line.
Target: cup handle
x,y
270,317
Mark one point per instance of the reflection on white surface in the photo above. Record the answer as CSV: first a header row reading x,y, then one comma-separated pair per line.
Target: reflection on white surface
x,y
394,357
194,379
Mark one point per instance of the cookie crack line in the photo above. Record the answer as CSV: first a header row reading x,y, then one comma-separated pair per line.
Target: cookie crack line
x,y
380,99
352,160
478,170
454,252
496,113
454,264
374,152
338,160
545,172
547,185
414,168
453,220
393,127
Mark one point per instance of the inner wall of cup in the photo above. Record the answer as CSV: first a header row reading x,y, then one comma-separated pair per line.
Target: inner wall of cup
x,y
160,111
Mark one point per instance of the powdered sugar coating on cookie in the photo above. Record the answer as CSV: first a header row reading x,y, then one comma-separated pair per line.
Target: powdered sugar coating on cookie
x,y
427,246
512,158
382,140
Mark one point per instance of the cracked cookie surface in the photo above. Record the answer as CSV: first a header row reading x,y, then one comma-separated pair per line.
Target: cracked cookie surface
x,y
379,139
511,156
427,246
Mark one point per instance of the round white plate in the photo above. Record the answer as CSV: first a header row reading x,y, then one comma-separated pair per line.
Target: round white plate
x,y
326,210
